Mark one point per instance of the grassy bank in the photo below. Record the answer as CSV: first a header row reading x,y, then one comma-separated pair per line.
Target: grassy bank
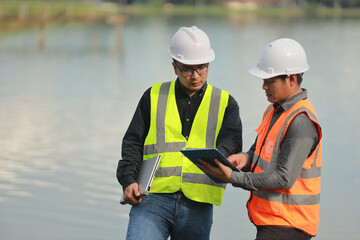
x,y
19,14
22,14
305,11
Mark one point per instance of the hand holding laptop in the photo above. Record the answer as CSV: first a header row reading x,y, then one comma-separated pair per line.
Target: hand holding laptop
x,y
131,195
136,191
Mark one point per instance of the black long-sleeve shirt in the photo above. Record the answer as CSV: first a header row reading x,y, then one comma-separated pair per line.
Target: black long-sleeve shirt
x,y
229,139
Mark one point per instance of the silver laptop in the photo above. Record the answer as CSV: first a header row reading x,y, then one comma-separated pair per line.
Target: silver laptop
x,y
146,176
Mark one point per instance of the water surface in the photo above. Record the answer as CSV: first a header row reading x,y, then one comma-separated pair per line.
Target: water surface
x,y
65,106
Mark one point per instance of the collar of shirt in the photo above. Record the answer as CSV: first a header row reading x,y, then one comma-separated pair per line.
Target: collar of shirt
x,y
179,89
290,102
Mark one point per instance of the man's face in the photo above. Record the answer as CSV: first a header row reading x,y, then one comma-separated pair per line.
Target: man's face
x,y
191,80
277,90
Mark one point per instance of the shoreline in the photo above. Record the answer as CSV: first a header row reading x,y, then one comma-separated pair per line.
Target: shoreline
x,y
25,14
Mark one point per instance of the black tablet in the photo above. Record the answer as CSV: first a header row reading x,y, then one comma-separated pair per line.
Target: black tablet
x,y
208,155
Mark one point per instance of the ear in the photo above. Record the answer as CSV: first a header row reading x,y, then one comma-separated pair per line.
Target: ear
x,y
174,68
293,80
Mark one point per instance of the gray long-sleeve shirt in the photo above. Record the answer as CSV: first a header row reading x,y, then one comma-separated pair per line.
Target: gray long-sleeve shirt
x,y
298,143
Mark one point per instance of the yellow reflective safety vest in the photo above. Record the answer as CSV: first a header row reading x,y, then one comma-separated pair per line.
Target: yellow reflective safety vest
x,y
299,206
176,172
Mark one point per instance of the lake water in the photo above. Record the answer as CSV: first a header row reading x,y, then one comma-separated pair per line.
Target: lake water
x,y
65,105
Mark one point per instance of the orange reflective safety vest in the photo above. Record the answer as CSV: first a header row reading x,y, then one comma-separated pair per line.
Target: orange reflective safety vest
x,y
299,206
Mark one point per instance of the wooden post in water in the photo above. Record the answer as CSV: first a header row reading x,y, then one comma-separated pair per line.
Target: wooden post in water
x,y
118,20
42,34
42,23
119,28
95,41
119,24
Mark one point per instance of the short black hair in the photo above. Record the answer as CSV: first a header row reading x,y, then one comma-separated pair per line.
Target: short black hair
x,y
299,77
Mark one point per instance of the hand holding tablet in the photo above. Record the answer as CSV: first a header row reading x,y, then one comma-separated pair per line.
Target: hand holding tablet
x,y
208,155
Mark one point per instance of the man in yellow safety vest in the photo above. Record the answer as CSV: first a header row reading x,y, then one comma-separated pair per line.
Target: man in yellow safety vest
x,y
171,116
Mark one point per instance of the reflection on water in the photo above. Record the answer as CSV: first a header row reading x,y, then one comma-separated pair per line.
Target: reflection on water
x,y
65,107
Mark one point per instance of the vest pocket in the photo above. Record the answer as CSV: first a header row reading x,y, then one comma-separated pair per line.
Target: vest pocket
x,y
261,202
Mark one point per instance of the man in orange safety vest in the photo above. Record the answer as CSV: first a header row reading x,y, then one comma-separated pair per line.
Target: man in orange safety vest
x,y
282,168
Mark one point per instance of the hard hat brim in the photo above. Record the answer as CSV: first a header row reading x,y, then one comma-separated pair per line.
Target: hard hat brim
x,y
208,59
255,71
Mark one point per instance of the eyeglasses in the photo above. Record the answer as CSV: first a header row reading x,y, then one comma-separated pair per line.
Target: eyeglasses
x,y
187,72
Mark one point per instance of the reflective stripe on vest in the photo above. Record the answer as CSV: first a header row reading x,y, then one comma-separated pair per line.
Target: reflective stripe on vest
x,y
164,138
299,206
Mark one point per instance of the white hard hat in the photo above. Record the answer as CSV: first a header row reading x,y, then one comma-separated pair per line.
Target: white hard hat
x,y
284,56
191,46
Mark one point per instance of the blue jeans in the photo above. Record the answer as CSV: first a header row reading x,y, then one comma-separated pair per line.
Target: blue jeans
x,y
161,215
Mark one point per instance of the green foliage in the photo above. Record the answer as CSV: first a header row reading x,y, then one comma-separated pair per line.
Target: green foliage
x,y
153,3
336,3
65,10
327,3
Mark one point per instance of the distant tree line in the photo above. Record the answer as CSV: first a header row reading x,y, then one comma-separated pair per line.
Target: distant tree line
x,y
337,3
327,3
175,2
